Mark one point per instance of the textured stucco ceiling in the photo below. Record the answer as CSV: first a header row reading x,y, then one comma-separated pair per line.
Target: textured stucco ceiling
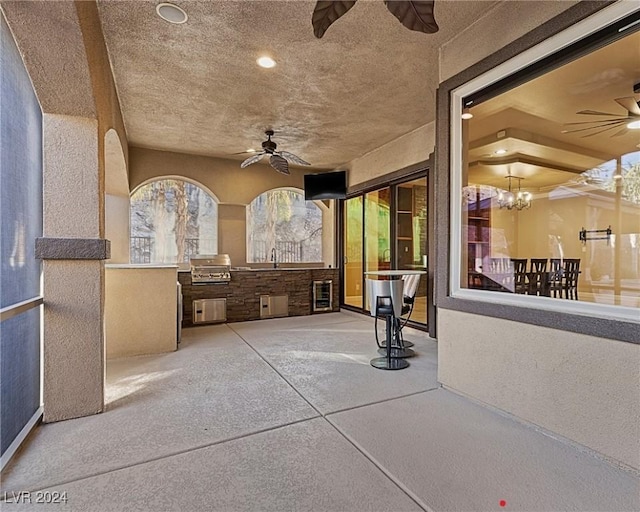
x,y
195,88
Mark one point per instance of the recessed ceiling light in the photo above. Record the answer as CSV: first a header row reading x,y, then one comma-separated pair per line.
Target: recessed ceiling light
x,y
171,13
266,62
500,151
634,125
250,150
467,115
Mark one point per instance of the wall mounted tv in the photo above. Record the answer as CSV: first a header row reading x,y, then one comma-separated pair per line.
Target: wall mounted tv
x,y
325,185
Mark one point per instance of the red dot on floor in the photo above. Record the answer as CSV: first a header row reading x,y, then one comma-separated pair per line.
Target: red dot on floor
x,y
503,503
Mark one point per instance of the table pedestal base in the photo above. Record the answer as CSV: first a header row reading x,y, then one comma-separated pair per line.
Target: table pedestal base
x,y
382,363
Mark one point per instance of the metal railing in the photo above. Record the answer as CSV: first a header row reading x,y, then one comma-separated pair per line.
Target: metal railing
x,y
20,307
142,248
286,252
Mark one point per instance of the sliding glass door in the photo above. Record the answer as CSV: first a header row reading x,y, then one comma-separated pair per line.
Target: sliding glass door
x,y
411,238
377,232
384,229
352,252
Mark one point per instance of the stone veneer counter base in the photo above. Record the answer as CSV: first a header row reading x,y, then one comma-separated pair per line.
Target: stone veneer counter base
x,y
246,286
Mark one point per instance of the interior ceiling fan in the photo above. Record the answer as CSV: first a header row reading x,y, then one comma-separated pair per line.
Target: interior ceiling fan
x,y
630,121
279,160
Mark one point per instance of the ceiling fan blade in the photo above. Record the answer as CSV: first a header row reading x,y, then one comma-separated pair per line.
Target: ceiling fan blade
x,y
326,12
414,14
596,113
601,131
596,121
279,164
252,159
630,104
293,158
612,124
621,132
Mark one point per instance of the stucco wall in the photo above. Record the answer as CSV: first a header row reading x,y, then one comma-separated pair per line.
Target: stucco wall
x,y
224,178
105,95
141,310
502,24
73,342
581,387
232,186
117,227
63,50
232,232
411,148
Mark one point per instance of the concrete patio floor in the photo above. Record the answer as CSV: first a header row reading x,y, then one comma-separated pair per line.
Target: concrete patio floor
x,y
287,414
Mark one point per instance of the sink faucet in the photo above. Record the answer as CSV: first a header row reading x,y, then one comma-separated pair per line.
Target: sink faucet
x,y
273,257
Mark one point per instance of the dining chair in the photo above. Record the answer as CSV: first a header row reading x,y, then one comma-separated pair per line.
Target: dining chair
x,y
538,265
571,273
499,275
555,277
564,277
519,267
538,277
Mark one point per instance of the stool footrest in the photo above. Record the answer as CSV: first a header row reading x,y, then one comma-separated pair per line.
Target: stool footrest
x,y
405,344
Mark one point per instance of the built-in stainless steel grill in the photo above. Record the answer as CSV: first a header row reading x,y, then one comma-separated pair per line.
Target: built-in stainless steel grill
x,y
210,269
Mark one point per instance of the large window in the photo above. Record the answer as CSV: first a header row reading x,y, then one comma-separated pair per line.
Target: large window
x,y
172,220
282,221
546,184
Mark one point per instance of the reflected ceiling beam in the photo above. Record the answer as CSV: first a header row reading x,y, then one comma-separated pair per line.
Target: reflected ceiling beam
x,y
524,135
526,159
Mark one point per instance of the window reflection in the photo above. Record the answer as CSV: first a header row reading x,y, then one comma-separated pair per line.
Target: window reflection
x,y
563,139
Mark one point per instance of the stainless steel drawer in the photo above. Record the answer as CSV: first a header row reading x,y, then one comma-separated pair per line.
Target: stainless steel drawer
x,y
207,311
274,305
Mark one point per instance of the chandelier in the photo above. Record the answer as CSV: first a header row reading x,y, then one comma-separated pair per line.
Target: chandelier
x,y
520,200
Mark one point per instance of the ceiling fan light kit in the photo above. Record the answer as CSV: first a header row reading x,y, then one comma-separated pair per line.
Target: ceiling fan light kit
x,y
279,160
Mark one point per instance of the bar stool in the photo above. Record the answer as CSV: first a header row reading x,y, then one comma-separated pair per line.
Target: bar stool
x,y
409,290
385,301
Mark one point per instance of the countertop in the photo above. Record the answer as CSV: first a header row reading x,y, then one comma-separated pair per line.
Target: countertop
x,y
137,266
248,269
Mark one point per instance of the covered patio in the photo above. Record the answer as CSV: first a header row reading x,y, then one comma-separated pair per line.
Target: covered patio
x,y
287,414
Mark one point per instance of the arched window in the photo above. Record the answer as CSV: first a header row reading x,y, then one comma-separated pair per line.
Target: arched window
x,y
172,220
284,221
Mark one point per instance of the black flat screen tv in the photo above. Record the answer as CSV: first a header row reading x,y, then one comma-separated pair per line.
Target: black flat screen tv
x,y
325,185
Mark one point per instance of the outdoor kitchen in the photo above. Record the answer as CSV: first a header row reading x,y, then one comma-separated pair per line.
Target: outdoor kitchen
x,y
213,291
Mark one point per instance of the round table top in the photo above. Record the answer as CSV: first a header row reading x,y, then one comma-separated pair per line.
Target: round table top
x,y
394,272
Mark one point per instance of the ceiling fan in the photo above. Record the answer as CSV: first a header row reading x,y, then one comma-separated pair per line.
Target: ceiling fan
x,y
631,120
279,160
